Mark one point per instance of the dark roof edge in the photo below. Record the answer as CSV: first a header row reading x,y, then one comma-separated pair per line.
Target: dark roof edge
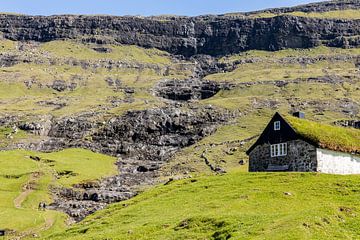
x,y
257,141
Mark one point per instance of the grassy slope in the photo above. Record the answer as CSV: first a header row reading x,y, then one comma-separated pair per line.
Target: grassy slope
x,y
322,102
341,14
145,67
5,132
237,205
131,54
25,182
269,66
312,52
338,14
255,103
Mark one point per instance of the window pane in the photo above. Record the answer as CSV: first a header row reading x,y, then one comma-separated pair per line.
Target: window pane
x,y
277,125
280,149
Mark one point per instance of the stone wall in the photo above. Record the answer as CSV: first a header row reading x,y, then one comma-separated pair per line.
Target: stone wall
x,y
301,157
337,162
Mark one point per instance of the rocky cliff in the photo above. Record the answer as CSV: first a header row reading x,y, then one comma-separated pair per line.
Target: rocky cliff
x,y
188,36
142,140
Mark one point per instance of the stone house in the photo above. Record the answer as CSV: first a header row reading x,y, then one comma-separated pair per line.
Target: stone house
x,y
292,143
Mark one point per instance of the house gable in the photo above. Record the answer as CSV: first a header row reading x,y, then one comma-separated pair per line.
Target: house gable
x,y
271,136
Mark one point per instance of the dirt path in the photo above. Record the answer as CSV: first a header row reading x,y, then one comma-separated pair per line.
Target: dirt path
x,y
27,189
48,223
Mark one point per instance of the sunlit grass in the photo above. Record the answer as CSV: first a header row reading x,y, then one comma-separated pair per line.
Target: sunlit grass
x,y
63,168
236,206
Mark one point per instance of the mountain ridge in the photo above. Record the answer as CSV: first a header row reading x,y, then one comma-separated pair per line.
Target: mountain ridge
x,y
188,36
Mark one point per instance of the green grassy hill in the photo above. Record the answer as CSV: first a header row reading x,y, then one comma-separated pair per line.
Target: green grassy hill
x,y
236,206
26,178
239,205
323,82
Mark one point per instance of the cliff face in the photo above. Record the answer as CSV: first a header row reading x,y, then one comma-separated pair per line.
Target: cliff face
x,y
211,35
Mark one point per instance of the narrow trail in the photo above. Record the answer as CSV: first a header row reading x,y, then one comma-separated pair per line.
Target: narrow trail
x,y
48,223
27,189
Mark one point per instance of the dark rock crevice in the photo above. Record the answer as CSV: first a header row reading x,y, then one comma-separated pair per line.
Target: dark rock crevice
x,y
185,90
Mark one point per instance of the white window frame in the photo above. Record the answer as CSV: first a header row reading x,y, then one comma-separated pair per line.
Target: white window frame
x,y
277,126
278,150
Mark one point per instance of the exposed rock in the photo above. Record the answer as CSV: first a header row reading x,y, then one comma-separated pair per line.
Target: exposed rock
x,y
187,36
206,65
57,103
156,133
102,49
8,120
348,123
40,127
116,84
35,158
129,90
73,127
185,90
60,86
8,60
143,141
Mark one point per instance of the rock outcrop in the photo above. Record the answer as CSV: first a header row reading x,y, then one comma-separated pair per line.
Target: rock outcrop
x,y
188,36
185,90
142,140
348,123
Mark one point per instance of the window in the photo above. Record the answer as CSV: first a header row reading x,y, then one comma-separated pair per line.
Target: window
x,y
278,150
277,125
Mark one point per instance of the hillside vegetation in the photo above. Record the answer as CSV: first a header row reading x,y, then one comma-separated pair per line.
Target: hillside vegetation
x,y
26,178
82,88
323,82
337,14
236,206
86,79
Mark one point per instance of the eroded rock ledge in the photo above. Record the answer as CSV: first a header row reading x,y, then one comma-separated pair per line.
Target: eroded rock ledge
x,y
185,90
142,140
187,36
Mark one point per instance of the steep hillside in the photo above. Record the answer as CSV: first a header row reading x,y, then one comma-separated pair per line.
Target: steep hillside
x,y
26,178
233,206
211,35
143,92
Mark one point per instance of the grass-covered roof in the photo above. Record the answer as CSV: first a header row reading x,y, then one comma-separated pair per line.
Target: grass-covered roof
x,y
327,136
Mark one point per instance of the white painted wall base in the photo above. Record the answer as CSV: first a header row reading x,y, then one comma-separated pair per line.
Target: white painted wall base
x,y
337,162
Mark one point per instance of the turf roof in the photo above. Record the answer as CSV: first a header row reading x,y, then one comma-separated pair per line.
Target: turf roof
x,y
327,136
